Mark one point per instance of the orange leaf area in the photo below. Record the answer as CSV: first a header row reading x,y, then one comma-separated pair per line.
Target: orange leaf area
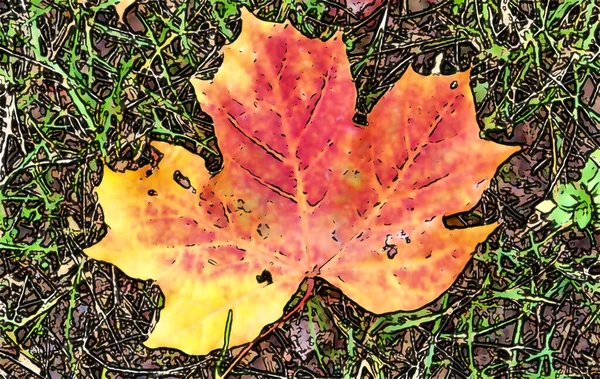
x,y
304,192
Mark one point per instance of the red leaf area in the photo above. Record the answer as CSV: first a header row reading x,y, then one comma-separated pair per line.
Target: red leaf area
x,y
304,192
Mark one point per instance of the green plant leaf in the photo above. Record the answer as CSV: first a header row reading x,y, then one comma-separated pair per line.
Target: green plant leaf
x,y
592,183
560,216
569,196
589,173
596,205
583,216
480,91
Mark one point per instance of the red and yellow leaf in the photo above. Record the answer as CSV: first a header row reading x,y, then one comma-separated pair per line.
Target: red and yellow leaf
x,y
304,192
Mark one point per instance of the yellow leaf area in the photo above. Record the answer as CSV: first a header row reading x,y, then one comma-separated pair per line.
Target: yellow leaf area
x,y
304,192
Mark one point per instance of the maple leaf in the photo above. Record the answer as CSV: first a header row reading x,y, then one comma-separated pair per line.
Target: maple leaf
x,y
304,192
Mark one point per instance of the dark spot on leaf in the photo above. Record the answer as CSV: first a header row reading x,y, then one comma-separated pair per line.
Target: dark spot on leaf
x,y
390,249
241,205
183,181
265,277
263,230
